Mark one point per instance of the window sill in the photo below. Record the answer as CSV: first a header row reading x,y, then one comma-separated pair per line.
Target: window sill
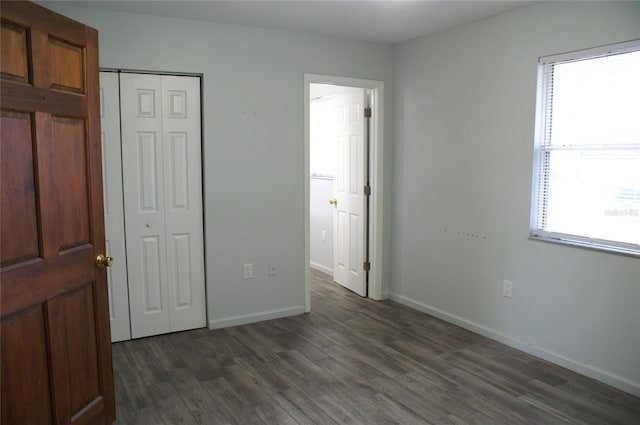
x,y
608,249
321,177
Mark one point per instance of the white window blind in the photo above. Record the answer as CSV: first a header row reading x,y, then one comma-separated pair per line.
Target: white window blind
x,y
587,153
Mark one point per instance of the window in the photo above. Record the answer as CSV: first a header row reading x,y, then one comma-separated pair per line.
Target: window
x,y
586,186
323,136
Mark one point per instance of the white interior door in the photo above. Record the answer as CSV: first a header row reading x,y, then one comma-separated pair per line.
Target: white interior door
x,y
348,221
113,206
163,202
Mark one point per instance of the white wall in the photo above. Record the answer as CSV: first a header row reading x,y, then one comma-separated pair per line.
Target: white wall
x,y
253,141
323,163
464,104
321,222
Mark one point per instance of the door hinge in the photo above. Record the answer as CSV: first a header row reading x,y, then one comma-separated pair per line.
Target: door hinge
x,y
367,190
366,266
367,112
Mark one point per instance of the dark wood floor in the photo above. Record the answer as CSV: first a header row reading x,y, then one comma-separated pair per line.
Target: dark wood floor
x,y
351,361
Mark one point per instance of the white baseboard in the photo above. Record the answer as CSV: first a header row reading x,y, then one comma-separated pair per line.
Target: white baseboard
x,y
320,267
254,318
604,376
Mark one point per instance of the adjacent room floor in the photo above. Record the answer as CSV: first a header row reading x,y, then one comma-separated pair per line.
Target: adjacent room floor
x,y
351,361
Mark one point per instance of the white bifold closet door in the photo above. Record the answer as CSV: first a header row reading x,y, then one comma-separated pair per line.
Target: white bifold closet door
x,y
162,192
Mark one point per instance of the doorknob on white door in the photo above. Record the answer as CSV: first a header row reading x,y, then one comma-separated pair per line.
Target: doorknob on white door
x,y
148,225
333,202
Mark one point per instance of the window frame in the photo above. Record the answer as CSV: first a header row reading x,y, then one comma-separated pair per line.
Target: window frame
x,y
542,122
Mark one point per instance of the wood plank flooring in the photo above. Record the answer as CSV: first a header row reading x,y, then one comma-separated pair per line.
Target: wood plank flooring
x,y
351,361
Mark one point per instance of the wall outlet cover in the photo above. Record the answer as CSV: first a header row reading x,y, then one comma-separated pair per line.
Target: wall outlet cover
x,y
507,289
248,271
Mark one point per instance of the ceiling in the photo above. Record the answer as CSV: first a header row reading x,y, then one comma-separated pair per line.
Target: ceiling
x,y
387,22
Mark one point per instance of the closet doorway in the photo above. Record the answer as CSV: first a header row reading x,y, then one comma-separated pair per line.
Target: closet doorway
x,y
151,141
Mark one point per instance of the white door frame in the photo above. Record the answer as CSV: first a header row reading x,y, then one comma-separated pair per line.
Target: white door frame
x,y
376,153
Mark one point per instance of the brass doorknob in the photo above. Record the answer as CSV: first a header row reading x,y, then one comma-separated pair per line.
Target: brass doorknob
x,y
102,261
333,201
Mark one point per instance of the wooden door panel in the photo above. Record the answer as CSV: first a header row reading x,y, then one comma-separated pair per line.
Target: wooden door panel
x,y
66,65
14,64
53,297
19,239
24,360
81,347
70,157
76,369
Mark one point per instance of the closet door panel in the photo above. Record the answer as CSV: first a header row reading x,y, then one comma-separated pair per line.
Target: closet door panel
x,y
113,206
183,201
144,203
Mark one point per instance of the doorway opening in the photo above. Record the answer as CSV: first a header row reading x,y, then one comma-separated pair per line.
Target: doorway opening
x,y
350,170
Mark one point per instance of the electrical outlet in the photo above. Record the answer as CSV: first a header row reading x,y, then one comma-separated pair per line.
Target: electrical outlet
x,y
248,271
272,269
507,288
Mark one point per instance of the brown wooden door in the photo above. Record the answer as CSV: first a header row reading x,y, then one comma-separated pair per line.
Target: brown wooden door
x,y
56,352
